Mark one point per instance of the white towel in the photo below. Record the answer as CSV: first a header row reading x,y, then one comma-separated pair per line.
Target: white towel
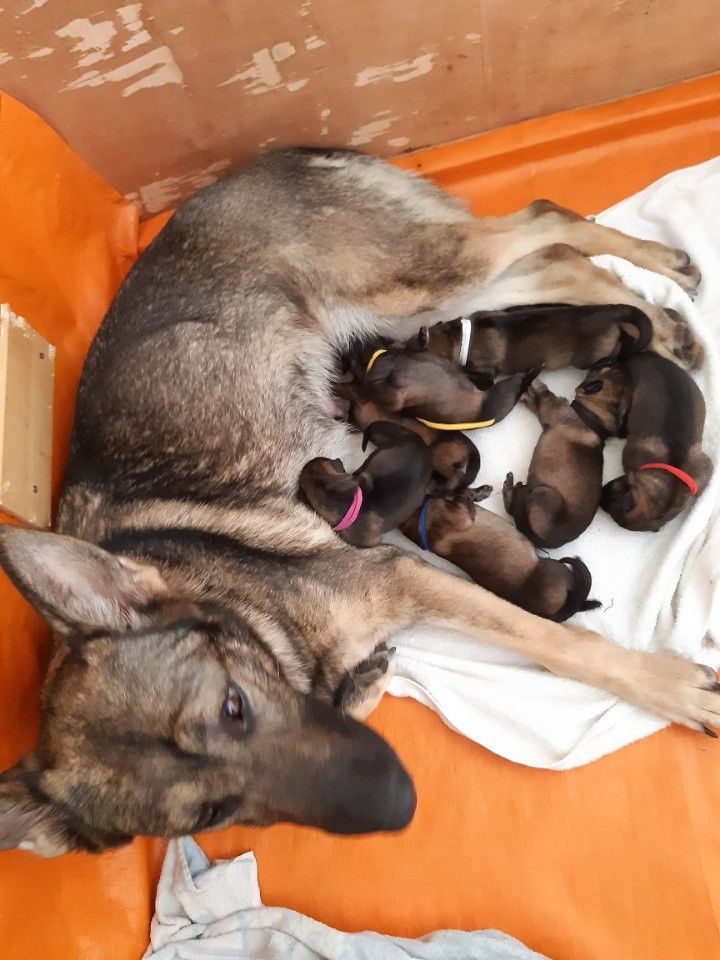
x,y
213,911
658,590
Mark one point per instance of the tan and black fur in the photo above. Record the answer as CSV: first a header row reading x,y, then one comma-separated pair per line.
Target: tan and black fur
x,y
394,481
498,557
562,492
420,384
455,458
215,638
661,412
552,336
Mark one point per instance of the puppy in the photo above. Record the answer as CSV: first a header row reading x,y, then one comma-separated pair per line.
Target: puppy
x,y
661,411
554,335
455,458
562,492
383,492
420,384
498,557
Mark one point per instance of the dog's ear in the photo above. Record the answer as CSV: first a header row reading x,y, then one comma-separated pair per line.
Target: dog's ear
x,y
76,586
423,338
28,821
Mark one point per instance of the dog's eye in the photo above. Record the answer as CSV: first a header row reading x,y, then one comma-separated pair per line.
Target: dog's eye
x,y
235,711
595,386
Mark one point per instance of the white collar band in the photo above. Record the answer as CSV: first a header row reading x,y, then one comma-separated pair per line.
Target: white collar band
x,y
466,330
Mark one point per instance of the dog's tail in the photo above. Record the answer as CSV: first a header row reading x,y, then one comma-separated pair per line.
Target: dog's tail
x,y
577,596
630,345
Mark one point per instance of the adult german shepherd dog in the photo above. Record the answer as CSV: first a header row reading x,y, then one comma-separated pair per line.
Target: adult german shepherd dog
x,y
217,643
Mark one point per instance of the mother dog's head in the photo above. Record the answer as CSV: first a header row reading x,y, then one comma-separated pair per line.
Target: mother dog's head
x,y
163,716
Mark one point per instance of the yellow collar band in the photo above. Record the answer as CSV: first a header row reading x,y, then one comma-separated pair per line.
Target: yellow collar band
x,y
455,426
373,358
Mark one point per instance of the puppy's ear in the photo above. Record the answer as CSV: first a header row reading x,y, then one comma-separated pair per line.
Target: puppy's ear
x,y
480,379
617,496
423,338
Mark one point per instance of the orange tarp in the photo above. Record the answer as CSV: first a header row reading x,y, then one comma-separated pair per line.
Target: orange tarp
x,y
620,859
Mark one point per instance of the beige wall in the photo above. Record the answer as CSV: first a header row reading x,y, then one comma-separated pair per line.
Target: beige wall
x,y
162,96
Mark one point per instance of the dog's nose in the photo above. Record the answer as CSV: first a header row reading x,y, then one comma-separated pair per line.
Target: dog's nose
x,y
360,786
372,794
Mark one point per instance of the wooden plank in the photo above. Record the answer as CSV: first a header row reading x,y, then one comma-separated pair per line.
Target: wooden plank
x,y
27,364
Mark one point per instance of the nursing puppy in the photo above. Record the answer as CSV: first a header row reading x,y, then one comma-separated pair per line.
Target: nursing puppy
x,y
555,335
661,411
376,498
455,458
562,491
419,384
498,557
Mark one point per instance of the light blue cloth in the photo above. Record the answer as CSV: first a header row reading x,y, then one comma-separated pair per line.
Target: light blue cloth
x,y
213,911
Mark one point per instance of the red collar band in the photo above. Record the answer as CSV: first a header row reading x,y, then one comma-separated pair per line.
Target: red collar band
x,y
676,472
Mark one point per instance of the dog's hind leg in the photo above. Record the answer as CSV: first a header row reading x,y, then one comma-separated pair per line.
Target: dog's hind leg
x,y
544,223
559,274
664,684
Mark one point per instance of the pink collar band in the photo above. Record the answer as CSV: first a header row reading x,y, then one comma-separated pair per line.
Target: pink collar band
x,y
352,511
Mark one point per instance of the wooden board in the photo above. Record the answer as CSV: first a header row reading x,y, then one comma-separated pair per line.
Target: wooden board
x,y
27,363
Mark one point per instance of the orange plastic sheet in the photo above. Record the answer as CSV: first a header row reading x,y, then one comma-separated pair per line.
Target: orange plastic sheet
x,y
619,859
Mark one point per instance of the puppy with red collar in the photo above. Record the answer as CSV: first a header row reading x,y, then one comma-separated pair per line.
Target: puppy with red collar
x,y
380,495
661,411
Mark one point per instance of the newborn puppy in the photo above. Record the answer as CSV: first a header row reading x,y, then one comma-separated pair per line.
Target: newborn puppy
x,y
498,557
455,458
419,384
562,492
661,411
554,335
383,492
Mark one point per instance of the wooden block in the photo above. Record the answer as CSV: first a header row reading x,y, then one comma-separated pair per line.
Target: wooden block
x,y
27,364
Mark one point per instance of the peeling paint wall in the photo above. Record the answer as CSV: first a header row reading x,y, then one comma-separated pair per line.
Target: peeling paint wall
x,y
163,96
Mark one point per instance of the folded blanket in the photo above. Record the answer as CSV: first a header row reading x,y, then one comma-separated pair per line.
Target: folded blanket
x,y
214,912
658,590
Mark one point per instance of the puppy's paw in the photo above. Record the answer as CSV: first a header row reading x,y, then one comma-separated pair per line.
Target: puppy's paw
x,y
363,687
481,493
684,346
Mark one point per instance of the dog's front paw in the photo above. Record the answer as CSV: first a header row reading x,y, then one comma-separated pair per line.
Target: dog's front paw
x,y
688,274
363,687
680,690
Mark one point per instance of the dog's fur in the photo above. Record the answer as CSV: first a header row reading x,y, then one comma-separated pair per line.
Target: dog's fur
x,y
661,411
562,492
455,458
184,569
394,481
549,335
498,557
420,384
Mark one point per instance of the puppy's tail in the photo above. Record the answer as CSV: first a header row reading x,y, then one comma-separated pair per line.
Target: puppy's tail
x,y
577,596
630,345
